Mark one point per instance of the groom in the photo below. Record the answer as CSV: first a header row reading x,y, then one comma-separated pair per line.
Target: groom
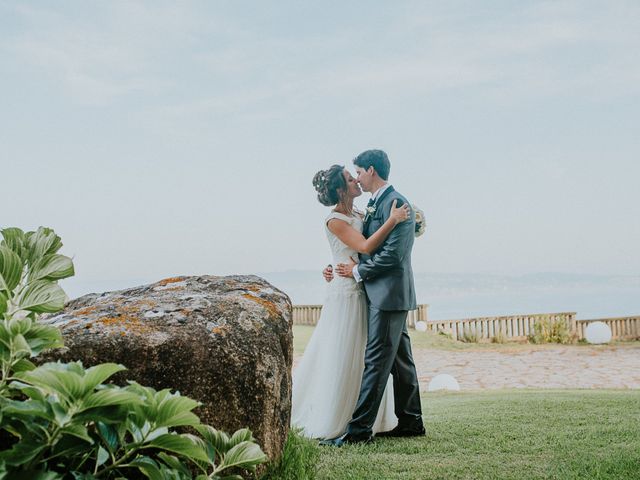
x,y
388,282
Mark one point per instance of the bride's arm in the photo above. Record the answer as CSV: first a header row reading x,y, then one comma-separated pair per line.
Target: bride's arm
x,y
354,239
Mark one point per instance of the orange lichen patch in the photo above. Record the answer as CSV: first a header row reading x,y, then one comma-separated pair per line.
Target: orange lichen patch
x,y
269,306
170,280
219,330
127,323
86,310
135,307
252,288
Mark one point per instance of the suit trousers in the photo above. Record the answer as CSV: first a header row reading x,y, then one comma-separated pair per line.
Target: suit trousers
x,y
388,352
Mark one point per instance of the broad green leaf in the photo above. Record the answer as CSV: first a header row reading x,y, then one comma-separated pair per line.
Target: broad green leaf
x,y
20,325
42,242
21,453
42,337
27,408
42,296
109,436
242,435
79,431
110,396
23,365
102,457
244,455
175,410
94,376
4,302
135,431
5,335
52,267
62,415
14,238
180,445
111,414
29,390
56,378
148,467
217,438
174,463
20,347
10,269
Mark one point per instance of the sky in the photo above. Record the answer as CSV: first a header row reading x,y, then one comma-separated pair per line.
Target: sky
x,y
166,138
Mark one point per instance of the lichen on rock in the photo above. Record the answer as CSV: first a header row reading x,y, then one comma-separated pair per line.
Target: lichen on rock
x,y
224,341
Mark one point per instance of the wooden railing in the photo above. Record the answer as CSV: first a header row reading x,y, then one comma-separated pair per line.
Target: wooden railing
x,y
511,327
306,314
309,315
516,327
622,328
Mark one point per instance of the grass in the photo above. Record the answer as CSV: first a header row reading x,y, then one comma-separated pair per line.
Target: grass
x,y
521,434
435,341
299,459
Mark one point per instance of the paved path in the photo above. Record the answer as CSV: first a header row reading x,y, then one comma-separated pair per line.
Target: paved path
x,y
535,367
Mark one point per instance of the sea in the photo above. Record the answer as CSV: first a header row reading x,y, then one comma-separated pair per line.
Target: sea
x,y
453,296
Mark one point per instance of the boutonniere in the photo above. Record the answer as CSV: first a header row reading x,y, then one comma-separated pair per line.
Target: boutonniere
x,y
369,211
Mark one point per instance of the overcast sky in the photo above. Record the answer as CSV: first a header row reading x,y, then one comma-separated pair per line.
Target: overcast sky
x,y
162,138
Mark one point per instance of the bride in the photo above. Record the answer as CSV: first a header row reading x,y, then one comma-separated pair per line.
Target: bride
x,y
326,383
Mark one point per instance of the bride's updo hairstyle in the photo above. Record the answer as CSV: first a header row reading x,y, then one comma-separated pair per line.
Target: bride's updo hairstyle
x,y
328,184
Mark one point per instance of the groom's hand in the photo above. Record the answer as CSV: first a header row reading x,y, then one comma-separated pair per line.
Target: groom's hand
x,y
327,273
345,269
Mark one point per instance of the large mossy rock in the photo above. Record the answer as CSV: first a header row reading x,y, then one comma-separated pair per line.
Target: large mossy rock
x,y
224,341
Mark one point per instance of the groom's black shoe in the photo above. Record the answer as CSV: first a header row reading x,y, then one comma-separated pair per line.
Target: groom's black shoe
x,y
403,432
346,439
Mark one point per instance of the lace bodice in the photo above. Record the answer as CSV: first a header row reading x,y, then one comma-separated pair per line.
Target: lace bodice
x,y
342,253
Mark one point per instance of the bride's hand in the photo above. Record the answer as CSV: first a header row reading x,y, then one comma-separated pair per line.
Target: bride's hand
x,y
345,269
400,214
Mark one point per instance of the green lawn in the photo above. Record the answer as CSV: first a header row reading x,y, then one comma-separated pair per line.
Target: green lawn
x,y
523,434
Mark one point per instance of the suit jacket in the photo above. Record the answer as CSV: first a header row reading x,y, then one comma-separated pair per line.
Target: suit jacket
x,y
387,273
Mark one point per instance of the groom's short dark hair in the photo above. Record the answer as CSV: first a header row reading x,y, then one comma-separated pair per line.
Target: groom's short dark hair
x,y
376,159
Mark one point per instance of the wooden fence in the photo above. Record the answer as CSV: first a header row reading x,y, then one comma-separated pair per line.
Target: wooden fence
x,y
309,315
622,328
510,327
513,327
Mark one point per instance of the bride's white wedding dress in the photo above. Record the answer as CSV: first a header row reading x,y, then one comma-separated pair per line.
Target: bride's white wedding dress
x,y
326,382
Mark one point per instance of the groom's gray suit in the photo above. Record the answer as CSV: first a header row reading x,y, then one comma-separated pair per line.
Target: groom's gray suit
x,y
388,282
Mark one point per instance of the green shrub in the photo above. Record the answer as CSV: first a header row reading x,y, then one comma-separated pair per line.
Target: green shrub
x,y
446,334
299,459
547,330
499,337
469,335
60,420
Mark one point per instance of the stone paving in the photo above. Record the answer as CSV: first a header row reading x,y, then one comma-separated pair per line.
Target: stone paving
x,y
535,367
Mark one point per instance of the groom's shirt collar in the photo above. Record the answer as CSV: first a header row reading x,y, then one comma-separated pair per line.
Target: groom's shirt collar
x,y
379,192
